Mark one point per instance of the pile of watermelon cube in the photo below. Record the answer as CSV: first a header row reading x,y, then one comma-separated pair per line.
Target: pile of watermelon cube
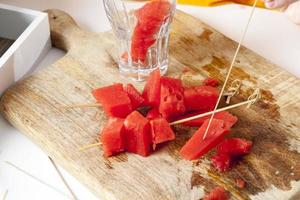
x,y
166,100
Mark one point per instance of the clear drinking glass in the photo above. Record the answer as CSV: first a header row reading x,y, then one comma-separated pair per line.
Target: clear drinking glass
x,y
142,32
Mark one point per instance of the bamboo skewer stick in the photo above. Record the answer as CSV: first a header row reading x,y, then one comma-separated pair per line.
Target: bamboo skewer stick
x,y
83,148
63,179
5,195
251,100
36,179
231,65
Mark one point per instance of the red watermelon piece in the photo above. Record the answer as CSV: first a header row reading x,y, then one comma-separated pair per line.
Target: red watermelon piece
x,y
218,193
213,82
135,97
138,136
235,147
114,100
228,118
150,17
240,183
197,147
221,161
112,137
171,98
153,113
151,91
200,98
161,131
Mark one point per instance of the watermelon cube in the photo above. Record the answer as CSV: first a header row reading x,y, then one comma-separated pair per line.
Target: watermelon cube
x,y
135,97
221,161
138,136
151,91
114,100
171,98
197,147
218,193
153,113
112,137
200,98
161,131
235,147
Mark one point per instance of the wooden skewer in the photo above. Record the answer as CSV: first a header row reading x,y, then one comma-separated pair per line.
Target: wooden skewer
x,y
37,179
5,195
251,100
89,146
63,179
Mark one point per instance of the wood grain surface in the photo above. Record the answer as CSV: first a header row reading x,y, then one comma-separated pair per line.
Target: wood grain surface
x,y
4,45
271,170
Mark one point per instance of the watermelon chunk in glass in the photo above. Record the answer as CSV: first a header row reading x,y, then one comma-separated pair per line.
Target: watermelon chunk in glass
x,y
161,131
228,118
221,161
150,17
235,147
197,147
112,137
138,136
153,113
151,91
217,193
200,98
135,97
171,98
114,100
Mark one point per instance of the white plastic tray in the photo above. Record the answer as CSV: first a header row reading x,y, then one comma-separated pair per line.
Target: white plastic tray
x,y
30,30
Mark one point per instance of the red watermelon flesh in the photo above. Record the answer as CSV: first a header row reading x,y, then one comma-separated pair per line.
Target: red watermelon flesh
x,y
153,113
161,131
135,97
222,161
200,98
197,147
171,98
228,118
138,136
235,147
151,91
114,100
112,137
211,82
217,193
150,17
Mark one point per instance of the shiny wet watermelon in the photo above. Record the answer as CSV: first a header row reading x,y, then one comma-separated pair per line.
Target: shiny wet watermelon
x,y
235,147
153,113
135,97
197,147
114,100
150,17
171,98
151,91
217,193
112,137
161,131
222,162
200,98
137,134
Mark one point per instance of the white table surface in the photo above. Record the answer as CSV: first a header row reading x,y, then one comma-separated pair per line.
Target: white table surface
x,y
270,34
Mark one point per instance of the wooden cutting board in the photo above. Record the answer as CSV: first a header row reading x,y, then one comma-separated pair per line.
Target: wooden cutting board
x,y
271,170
